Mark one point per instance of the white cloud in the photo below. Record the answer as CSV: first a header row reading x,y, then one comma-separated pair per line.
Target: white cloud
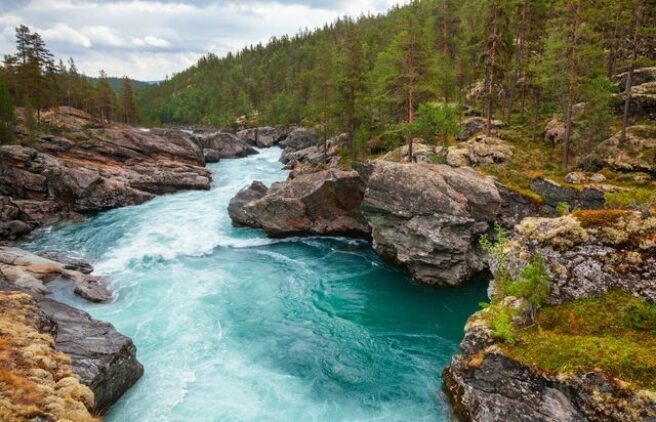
x,y
65,34
149,39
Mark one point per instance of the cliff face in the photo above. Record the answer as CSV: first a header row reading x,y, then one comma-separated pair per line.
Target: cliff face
x,y
585,350
80,166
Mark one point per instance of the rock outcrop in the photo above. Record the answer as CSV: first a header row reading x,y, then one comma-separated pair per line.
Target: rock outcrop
x,y
485,385
324,203
643,93
218,145
89,167
14,222
472,125
38,381
591,252
636,155
300,138
421,153
553,194
554,131
428,218
239,217
104,359
30,272
261,137
479,151
314,158
586,255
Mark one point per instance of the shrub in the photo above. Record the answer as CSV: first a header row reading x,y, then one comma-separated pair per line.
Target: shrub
x,y
563,208
532,283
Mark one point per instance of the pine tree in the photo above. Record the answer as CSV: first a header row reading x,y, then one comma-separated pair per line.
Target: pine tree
x,y
7,117
105,97
637,22
127,104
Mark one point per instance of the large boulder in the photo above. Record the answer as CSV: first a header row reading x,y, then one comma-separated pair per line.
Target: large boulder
x,y
554,131
421,153
639,77
637,154
643,101
324,203
479,151
428,218
223,145
14,222
474,124
104,359
239,217
299,139
261,137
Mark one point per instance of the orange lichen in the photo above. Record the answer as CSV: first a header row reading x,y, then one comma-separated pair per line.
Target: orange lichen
x,y
596,218
36,380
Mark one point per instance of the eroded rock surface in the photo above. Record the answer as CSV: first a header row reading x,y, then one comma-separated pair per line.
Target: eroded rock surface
x,y
30,272
427,218
261,137
479,151
636,155
326,203
219,145
89,167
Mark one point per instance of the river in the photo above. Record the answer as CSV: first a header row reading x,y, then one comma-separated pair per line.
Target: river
x,y
232,326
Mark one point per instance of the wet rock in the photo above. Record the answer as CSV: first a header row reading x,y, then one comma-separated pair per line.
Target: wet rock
x,y
325,203
427,218
261,137
14,222
225,144
30,272
104,359
479,151
239,217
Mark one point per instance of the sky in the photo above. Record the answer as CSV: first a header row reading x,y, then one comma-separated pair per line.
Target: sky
x,y
149,39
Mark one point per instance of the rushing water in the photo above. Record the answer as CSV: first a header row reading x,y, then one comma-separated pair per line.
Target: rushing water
x,y
232,326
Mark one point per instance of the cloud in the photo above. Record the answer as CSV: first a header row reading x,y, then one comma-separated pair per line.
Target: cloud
x,y
65,34
149,39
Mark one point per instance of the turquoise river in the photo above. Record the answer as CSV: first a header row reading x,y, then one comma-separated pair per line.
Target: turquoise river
x,y
232,326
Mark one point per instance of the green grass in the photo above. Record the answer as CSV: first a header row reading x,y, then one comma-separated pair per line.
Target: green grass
x,y
615,334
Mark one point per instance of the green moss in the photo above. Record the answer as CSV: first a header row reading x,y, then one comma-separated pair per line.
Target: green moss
x,y
636,196
615,333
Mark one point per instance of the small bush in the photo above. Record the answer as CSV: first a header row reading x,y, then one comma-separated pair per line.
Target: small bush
x,y
563,208
532,283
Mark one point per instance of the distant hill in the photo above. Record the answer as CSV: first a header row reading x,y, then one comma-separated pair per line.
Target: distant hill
x,y
115,83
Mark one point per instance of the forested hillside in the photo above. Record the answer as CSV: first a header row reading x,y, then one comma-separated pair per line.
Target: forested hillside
x,y
519,60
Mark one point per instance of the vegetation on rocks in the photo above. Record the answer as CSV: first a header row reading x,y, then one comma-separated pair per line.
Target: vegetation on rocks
x,y
36,381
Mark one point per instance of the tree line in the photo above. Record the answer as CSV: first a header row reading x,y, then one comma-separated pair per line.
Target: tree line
x,y
412,69
33,80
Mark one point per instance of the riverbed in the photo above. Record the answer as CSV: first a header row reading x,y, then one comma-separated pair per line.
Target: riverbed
x,y
233,326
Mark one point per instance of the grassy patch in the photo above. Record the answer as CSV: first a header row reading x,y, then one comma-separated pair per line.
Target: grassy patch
x,y
615,333
633,197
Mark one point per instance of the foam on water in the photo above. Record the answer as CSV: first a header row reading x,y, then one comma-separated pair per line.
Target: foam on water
x,y
232,326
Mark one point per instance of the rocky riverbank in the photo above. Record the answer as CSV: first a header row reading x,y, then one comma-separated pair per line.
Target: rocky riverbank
x,y
86,363
569,332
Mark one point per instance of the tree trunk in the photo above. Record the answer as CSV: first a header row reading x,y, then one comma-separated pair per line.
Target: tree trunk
x,y
573,74
492,58
629,77
615,42
519,59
